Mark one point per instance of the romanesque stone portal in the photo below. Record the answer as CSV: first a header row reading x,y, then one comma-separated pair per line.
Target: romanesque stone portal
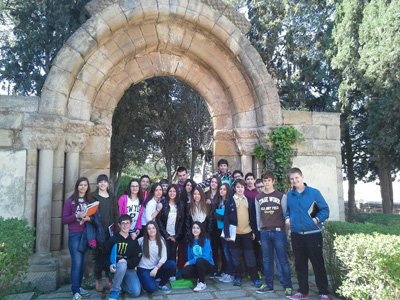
x,y
66,133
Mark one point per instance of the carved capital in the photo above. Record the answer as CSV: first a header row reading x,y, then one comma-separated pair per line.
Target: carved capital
x,y
102,130
41,138
75,142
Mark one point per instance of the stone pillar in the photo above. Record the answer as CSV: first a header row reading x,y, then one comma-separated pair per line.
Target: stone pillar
x,y
71,175
43,208
260,166
246,140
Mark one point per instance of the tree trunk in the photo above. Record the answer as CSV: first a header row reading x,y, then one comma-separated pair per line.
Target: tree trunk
x,y
348,157
386,186
193,162
203,167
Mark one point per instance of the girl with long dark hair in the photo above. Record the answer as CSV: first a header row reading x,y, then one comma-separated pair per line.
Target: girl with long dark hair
x,y
199,210
170,220
200,261
74,215
154,263
131,203
152,205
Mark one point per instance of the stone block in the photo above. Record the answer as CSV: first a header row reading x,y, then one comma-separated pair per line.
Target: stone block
x,y
58,175
327,147
222,122
12,183
97,144
225,148
55,242
124,42
58,189
92,174
88,160
312,131
91,76
114,17
6,138
305,148
60,80
56,208
69,60
326,118
320,172
59,156
56,226
82,42
97,28
150,9
19,104
31,158
294,117
245,119
52,102
333,132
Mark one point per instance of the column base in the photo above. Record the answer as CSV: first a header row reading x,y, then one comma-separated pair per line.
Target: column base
x,y
43,273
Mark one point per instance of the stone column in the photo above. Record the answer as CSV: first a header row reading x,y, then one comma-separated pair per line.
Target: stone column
x,y
43,208
246,140
260,167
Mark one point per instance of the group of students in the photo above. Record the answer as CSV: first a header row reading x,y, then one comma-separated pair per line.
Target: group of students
x,y
178,230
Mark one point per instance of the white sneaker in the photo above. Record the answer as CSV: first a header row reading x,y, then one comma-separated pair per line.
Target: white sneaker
x,y
228,278
222,277
200,287
77,296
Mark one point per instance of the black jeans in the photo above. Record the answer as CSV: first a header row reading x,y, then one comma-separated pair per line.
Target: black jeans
x,y
217,249
309,246
199,270
245,242
171,249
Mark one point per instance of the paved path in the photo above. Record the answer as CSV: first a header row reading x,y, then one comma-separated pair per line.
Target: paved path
x,y
215,290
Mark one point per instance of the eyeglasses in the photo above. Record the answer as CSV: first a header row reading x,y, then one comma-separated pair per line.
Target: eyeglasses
x,y
259,187
125,223
134,186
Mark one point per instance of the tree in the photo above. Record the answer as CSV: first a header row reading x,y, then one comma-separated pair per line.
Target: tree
x,y
366,40
160,118
292,37
39,29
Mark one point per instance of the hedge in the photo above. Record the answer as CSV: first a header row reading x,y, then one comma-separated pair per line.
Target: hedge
x,y
383,219
336,247
16,244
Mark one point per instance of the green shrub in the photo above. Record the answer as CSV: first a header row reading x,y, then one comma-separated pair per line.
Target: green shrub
x,y
371,264
16,242
333,229
383,219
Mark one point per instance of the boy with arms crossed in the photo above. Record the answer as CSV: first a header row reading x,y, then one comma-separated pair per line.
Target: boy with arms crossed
x,y
306,227
270,207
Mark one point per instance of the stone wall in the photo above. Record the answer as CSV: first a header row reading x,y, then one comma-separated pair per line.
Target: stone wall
x,y
372,207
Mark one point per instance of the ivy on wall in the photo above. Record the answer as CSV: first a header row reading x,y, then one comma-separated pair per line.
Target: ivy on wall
x,y
278,153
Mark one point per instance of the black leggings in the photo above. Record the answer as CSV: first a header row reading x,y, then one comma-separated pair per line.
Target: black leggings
x,y
199,270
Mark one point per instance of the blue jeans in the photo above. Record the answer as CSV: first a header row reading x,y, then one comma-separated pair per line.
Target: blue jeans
x,y
127,280
165,272
275,242
78,261
228,257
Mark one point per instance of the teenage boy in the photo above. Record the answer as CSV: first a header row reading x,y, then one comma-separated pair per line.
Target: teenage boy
x,y
237,174
259,185
182,177
251,192
128,257
223,173
270,208
144,184
240,213
306,212
107,212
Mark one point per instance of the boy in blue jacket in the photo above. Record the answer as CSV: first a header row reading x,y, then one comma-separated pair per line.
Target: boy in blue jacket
x,y
306,212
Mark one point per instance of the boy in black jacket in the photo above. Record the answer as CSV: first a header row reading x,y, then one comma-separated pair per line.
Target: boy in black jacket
x,y
128,257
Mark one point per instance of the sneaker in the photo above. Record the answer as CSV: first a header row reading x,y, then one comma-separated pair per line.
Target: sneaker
x,y
200,287
288,292
324,297
214,275
264,289
222,278
228,278
114,296
299,296
77,296
172,278
256,283
164,289
237,282
83,292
